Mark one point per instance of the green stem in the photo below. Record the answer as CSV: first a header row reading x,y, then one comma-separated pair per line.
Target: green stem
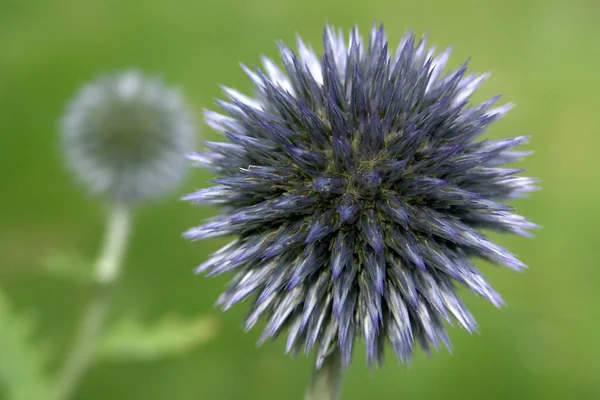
x,y
326,382
106,273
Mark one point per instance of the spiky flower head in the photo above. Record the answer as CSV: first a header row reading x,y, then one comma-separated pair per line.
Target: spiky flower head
x,y
125,136
357,188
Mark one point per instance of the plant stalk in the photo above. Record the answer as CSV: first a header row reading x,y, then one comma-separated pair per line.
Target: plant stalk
x,y
326,381
106,274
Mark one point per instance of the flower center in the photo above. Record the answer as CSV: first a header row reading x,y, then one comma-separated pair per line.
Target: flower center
x,y
365,184
349,194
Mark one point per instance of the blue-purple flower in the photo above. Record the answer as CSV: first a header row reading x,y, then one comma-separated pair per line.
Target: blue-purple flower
x,y
357,189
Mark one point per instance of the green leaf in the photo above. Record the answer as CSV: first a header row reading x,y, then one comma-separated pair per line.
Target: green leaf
x,y
21,361
131,340
67,266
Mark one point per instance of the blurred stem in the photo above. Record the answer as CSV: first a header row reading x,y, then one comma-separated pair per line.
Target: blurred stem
x,y
326,382
106,273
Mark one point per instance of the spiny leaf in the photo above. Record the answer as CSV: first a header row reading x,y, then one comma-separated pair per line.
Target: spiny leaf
x,y
21,360
132,340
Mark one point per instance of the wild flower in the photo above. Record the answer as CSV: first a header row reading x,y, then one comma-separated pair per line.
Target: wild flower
x,y
357,189
125,137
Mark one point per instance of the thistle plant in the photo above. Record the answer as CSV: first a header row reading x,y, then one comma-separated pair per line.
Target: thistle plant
x,y
124,136
357,189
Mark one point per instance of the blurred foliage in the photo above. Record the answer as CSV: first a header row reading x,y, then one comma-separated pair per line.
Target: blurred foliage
x,y
544,57
68,266
131,340
22,359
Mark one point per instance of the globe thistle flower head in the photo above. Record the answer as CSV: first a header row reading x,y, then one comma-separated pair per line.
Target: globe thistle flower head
x,y
357,188
125,136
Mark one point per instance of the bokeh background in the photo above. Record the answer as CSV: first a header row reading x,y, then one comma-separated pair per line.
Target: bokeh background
x,y
544,56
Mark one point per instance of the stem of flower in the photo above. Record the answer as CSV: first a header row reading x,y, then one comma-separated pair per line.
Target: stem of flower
x,y
326,382
106,273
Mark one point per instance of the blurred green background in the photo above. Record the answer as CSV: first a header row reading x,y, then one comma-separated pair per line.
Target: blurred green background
x,y
544,56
